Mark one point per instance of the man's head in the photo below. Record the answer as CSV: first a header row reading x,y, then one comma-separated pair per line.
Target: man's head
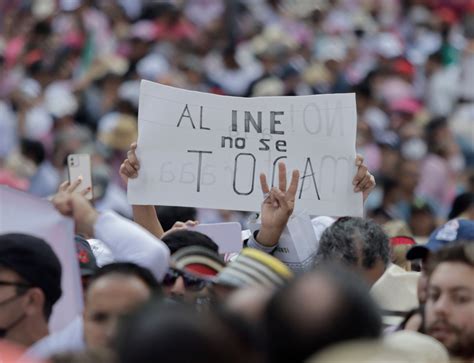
x,y
190,273
30,284
321,308
358,243
449,309
185,238
178,333
114,291
450,233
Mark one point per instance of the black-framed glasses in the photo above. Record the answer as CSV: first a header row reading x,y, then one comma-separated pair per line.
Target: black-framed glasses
x,y
14,283
191,282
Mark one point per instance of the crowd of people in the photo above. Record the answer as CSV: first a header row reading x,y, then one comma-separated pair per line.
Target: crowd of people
x,y
396,285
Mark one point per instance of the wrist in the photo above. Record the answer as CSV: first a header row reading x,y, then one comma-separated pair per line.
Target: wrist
x,y
269,236
89,222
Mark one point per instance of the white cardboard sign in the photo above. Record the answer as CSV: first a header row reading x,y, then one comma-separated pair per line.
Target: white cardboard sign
x,y
228,236
24,213
203,150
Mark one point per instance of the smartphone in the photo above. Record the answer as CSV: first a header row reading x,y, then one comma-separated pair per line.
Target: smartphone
x,y
79,165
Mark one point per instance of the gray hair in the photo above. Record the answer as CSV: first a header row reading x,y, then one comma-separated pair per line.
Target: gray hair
x,y
354,241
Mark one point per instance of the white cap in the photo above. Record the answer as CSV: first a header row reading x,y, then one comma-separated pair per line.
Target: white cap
x,y
59,100
420,347
152,67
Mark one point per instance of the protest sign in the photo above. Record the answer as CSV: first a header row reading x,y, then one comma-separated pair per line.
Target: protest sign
x,y
23,213
203,150
228,236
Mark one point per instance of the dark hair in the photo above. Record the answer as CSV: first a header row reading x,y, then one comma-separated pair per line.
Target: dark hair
x,y
47,305
185,238
128,269
170,215
33,150
462,203
175,333
294,332
349,239
462,252
431,129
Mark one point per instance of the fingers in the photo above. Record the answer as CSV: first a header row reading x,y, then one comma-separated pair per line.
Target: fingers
x,y
295,176
132,156
69,188
366,184
191,223
282,176
362,172
61,202
178,225
264,184
359,160
280,198
128,170
63,186
85,191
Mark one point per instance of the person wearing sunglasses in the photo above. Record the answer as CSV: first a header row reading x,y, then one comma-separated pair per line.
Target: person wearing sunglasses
x,y
30,285
191,272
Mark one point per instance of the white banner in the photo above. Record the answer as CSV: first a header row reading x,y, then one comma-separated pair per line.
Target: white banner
x,y
24,213
203,150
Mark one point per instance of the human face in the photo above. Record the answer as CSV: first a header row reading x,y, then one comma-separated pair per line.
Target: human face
x,y
449,311
107,299
183,285
12,306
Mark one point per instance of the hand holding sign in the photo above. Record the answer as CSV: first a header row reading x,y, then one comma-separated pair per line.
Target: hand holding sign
x,y
277,206
363,181
130,166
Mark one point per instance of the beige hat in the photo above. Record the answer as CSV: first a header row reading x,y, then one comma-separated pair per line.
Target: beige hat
x,y
121,134
363,351
396,293
396,227
421,347
269,87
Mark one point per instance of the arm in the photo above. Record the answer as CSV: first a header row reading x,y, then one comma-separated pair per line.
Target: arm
x,y
277,207
116,232
146,250
144,215
279,204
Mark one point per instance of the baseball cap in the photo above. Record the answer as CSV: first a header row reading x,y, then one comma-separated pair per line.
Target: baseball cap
x,y
254,268
198,260
453,231
34,260
87,261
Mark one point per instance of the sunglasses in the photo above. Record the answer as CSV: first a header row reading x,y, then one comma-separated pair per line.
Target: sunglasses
x,y
191,282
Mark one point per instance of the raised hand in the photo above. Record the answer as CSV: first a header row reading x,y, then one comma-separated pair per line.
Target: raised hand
x,y
130,166
79,208
363,181
277,207
69,188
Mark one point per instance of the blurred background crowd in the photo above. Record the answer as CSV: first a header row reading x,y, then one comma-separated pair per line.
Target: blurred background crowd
x,y
70,73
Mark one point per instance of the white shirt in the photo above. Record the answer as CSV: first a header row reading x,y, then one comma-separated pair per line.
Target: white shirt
x,y
128,242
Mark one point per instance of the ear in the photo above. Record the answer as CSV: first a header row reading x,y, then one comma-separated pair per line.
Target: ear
x,y
35,301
